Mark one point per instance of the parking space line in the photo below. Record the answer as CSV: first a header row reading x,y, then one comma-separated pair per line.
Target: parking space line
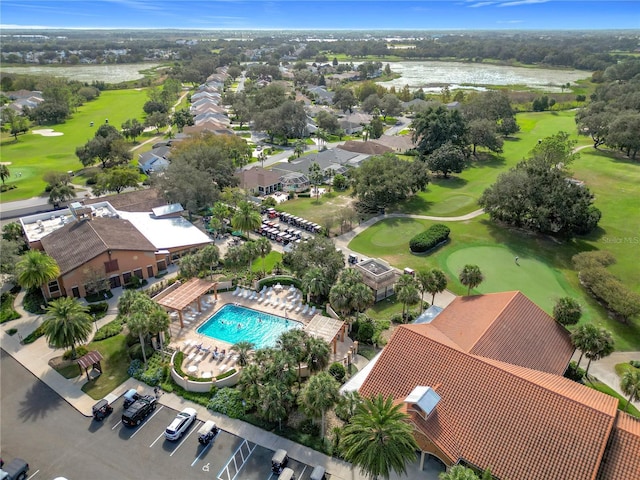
x,y
205,449
193,429
233,457
114,427
159,437
33,474
303,470
147,422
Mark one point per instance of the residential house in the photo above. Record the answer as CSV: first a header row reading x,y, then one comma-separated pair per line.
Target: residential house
x,y
482,385
295,182
259,181
154,160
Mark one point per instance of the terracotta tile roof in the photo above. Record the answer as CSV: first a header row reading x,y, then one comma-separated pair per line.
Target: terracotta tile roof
x,y
523,424
622,456
79,242
508,327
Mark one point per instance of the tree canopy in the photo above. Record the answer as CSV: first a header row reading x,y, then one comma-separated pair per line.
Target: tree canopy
x,y
384,180
539,194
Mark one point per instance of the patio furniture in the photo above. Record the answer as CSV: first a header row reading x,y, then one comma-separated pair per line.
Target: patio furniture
x,y
192,369
207,375
299,307
304,310
191,356
236,292
313,310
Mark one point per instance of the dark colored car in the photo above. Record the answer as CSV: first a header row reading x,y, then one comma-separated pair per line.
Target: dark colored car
x,y
139,410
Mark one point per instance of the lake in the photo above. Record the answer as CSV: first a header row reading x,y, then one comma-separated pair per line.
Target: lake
x,y
432,76
87,73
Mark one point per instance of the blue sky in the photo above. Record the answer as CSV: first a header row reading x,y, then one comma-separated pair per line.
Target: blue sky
x,y
326,14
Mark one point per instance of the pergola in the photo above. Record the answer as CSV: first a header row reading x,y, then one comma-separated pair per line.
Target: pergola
x,y
91,359
186,294
326,328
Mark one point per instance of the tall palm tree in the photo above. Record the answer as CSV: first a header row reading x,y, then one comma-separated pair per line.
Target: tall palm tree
x,y
138,324
275,402
361,297
264,247
293,343
67,323
299,148
35,270
252,251
435,282
471,277
350,276
315,283
317,353
243,350
378,439
458,472
246,217
250,383
318,395
340,298
407,295
602,347
4,172
159,322
583,338
208,258
630,385
220,211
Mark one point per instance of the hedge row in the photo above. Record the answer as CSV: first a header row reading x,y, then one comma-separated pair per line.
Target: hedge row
x,y
430,238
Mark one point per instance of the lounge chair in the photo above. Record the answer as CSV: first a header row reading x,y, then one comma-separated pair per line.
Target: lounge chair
x,y
304,310
191,356
207,374
187,343
284,305
299,307
275,302
253,296
236,292
261,298
264,289
312,311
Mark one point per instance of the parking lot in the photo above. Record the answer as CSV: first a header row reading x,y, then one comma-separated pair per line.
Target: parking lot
x,y
56,440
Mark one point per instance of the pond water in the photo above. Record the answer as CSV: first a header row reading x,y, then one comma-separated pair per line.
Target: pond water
x,y
87,73
432,76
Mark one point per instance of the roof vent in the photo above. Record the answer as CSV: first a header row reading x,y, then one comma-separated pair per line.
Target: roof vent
x,y
423,399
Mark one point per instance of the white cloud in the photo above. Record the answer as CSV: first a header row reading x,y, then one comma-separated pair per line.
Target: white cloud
x,y
520,2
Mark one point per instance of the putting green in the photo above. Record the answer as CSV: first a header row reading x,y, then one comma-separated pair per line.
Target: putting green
x,y
501,273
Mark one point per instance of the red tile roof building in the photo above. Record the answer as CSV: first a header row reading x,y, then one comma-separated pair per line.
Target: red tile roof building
x,y
496,363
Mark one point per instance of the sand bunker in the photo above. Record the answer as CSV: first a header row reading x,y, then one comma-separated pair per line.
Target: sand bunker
x,y
47,132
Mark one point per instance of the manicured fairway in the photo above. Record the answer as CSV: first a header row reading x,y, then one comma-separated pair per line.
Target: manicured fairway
x,y
33,155
501,273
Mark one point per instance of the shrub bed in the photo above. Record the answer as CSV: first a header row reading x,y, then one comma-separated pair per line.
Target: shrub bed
x,y
6,310
430,238
111,329
36,334
33,299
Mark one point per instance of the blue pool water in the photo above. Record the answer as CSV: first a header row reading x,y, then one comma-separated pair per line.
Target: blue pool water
x,y
233,324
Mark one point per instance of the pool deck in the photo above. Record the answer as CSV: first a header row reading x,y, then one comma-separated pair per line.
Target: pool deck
x,y
210,361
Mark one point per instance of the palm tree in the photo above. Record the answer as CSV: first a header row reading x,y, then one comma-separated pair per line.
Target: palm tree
x,y
250,383
433,281
567,311
315,283
350,276
471,277
220,211
264,247
246,217
630,385
275,402
299,148
340,298
583,338
317,353
208,258
361,297
138,324
159,322
292,342
36,269
458,472
67,323
4,172
251,251
315,177
603,346
348,404
243,349
318,395
379,439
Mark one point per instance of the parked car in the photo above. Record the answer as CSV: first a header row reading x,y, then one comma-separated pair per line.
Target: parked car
x,y
101,409
139,410
16,469
180,424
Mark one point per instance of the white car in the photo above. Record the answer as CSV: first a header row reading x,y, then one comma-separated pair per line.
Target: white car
x,y
180,424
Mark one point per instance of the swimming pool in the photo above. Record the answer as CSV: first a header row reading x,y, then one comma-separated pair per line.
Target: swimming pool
x,y
234,324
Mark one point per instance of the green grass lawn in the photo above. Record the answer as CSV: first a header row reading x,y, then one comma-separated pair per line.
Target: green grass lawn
x,y
34,155
622,402
269,262
114,366
458,194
